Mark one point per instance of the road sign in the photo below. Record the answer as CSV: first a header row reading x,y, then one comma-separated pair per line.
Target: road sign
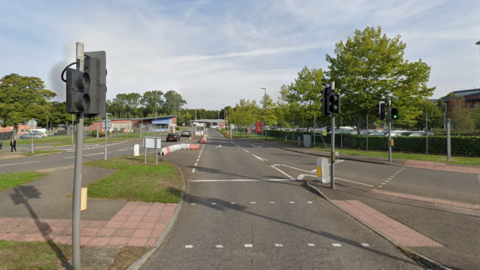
x,y
259,127
109,124
32,123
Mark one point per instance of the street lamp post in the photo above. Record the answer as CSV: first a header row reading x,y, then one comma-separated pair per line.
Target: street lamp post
x,y
265,105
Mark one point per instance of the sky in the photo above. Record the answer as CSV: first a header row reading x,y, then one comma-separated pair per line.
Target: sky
x,y
217,52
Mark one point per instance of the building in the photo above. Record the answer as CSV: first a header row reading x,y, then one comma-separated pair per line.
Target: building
x,y
159,123
211,122
471,96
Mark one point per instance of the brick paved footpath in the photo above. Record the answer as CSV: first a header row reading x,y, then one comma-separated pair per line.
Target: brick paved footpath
x,y
136,224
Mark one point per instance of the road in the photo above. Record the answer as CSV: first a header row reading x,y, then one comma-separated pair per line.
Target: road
x,y
18,162
244,209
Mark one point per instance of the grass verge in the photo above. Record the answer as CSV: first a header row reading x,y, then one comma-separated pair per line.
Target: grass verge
x,y
50,255
33,255
41,152
13,179
137,181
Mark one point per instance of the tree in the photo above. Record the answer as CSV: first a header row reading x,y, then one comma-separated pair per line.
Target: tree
x,y
462,115
304,95
369,67
173,102
23,98
152,100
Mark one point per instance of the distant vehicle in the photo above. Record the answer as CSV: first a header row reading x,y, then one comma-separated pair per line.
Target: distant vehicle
x,y
173,137
215,127
186,133
30,136
378,133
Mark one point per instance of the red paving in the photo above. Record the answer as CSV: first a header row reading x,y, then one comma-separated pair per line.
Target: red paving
x,y
454,204
389,228
441,167
136,224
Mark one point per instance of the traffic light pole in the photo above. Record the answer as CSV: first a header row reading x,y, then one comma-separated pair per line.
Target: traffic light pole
x,y
332,151
389,117
77,182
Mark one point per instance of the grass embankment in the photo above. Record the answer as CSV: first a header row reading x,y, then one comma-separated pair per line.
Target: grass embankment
x,y
13,179
137,181
472,161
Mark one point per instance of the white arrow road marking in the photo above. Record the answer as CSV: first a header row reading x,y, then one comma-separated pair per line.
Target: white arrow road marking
x,y
261,159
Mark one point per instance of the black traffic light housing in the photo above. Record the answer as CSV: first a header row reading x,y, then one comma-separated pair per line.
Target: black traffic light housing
x,y
394,114
77,82
95,67
381,111
326,99
334,103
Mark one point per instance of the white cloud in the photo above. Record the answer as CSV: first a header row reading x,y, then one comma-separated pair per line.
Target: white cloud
x,y
215,52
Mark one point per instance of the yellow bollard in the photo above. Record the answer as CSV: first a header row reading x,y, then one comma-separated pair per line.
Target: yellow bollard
x,y
83,200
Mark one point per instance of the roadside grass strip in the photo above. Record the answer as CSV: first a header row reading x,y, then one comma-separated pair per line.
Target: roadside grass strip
x,y
36,255
135,180
13,179
41,152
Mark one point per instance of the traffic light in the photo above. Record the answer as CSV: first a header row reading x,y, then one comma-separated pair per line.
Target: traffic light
x,y
334,103
394,113
95,67
77,100
326,99
381,110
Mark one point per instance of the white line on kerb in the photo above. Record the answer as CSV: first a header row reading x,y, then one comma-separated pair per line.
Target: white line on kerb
x,y
18,163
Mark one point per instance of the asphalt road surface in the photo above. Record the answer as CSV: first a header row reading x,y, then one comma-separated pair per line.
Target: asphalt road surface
x,y
244,209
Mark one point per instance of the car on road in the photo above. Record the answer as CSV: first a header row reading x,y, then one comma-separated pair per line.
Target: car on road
x,y
186,133
30,136
173,137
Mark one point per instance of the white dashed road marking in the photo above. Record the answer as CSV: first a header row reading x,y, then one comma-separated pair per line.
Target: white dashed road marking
x,y
188,246
248,245
336,245
311,244
365,245
219,246
278,245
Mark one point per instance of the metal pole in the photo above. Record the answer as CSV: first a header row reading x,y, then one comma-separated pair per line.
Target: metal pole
x,y
293,136
341,134
367,134
332,151
106,117
72,129
449,149
77,182
426,131
389,131
314,129
98,128
265,105
32,143
444,115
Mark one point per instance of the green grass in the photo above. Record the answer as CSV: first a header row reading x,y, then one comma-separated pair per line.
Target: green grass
x,y
472,161
137,181
13,179
41,152
33,255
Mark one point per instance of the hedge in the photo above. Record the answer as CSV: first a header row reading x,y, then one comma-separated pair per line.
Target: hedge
x,y
460,145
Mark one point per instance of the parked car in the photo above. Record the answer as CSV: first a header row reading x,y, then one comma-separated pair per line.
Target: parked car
x,y
173,137
30,135
186,133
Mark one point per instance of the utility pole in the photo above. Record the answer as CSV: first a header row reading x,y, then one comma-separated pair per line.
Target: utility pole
x,y
77,182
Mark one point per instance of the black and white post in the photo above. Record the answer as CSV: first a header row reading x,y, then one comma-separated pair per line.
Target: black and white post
x,y
332,144
389,120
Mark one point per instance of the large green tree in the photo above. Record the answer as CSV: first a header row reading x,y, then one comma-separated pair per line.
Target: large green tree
x,y
173,102
153,101
370,67
23,98
304,95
